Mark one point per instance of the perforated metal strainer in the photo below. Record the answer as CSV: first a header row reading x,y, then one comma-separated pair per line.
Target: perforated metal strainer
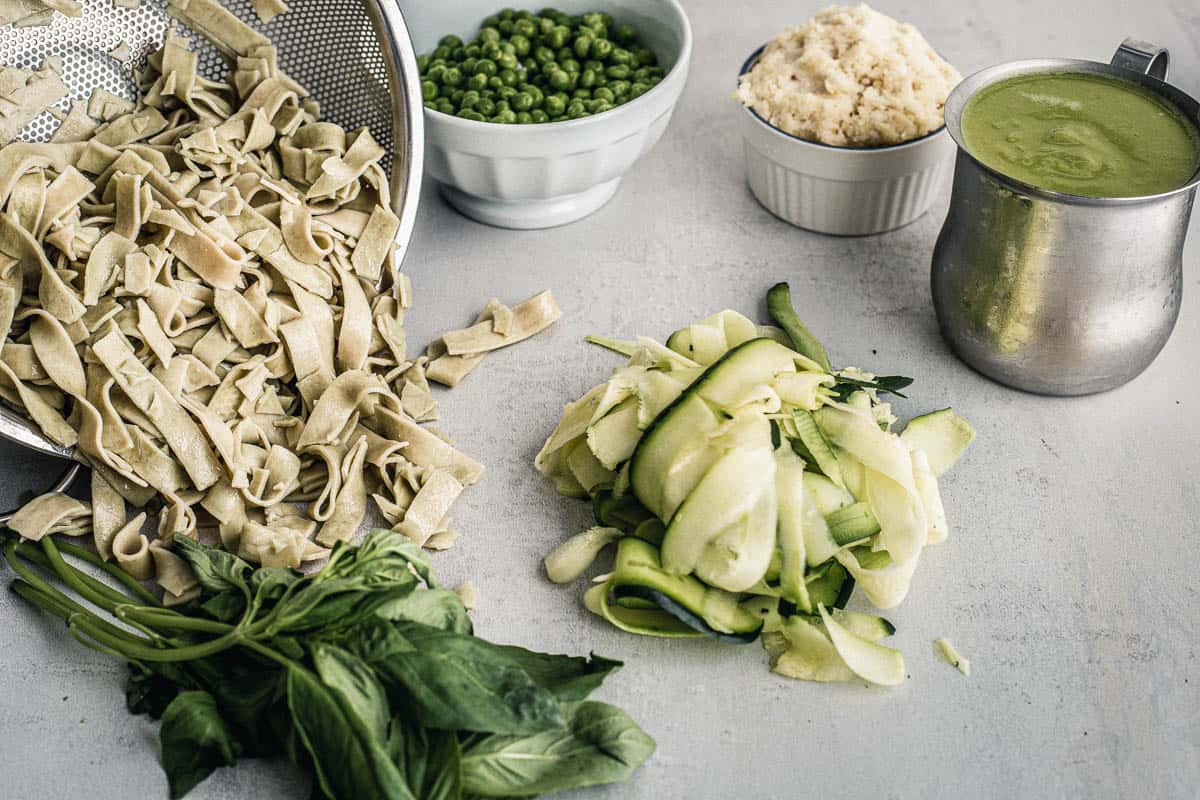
x,y
354,56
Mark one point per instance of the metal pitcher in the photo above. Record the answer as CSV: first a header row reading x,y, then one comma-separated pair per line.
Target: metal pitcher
x,y
1055,293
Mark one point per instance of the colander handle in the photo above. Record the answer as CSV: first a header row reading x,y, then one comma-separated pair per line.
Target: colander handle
x,y
1142,57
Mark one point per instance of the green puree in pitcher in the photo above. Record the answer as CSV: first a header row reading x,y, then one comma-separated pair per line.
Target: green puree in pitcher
x,y
1082,134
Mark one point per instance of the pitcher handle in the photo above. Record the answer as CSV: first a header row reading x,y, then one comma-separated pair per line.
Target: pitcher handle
x,y
1142,57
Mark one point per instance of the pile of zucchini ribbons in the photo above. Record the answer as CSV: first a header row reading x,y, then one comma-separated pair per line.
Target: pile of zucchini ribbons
x,y
748,487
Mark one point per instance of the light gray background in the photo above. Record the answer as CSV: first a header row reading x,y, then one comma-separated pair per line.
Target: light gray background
x,y
1068,579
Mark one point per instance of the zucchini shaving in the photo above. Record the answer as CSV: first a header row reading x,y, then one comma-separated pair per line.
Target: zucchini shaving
x,y
750,488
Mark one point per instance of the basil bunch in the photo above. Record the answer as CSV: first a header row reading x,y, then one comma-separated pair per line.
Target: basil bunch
x,y
365,674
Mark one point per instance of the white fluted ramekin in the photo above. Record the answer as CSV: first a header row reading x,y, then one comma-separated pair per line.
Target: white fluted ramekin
x,y
542,175
845,191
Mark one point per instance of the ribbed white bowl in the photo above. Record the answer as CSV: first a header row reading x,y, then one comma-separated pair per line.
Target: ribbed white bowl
x,y
539,176
846,191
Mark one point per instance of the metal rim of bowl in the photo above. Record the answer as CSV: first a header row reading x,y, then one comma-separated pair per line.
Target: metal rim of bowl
x,y
957,102
406,105
685,57
748,65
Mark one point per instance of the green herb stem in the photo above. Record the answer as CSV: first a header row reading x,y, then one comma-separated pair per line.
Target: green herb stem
x,y
127,580
164,618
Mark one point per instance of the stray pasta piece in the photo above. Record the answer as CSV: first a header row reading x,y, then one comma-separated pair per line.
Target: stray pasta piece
x,y
268,10
466,593
946,652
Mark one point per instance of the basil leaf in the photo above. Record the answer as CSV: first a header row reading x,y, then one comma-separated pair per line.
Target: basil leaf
x,y
195,741
216,570
226,606
348,760
451,681
383,555
354,682
338,603
149,692
779,304
601,744
250,693
429,760
437,608
568,677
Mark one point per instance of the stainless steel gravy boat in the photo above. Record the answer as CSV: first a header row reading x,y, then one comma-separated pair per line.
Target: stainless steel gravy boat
x,y
1055,293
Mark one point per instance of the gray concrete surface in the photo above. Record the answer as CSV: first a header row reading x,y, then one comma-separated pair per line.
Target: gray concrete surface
x,y
1068,579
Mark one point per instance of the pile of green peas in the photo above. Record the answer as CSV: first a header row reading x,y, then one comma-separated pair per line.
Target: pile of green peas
x,y
546,67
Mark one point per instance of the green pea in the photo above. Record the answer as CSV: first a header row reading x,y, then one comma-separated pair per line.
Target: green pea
x,y
570,65
431,105
429,90
494,82
478,82
442,52
485,66
601,49
625,33
458,54
506,61
526,27
508,76
521,45
502,105
423,62
445,106
604,93
490,50
543,55
537,116
436,72
558,37
506,117
598,106
645,56
529,65
619,88
522,101
576,109
452,76
559,79
472,50
593,64
486,106
622,56
506,13
537,94
469,100
450,40
564,54
490,21
555,106
545,25
506,92
587,78
468,66
506,27
524,118
638,89
456,96
618,71
583,43
471,114
523,14
582,94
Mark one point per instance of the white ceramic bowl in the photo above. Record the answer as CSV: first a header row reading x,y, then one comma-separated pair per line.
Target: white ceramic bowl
x,y
846,191
541,175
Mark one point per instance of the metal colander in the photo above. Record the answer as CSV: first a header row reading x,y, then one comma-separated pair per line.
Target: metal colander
x,y
354,57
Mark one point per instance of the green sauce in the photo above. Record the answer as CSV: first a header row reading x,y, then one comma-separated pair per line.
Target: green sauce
x,y
1082,134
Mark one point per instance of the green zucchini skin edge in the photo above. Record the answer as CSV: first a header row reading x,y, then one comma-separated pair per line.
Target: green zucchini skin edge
x,y
692,620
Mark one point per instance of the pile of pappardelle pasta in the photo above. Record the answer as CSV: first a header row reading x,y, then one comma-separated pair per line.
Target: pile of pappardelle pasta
x,y
201,295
